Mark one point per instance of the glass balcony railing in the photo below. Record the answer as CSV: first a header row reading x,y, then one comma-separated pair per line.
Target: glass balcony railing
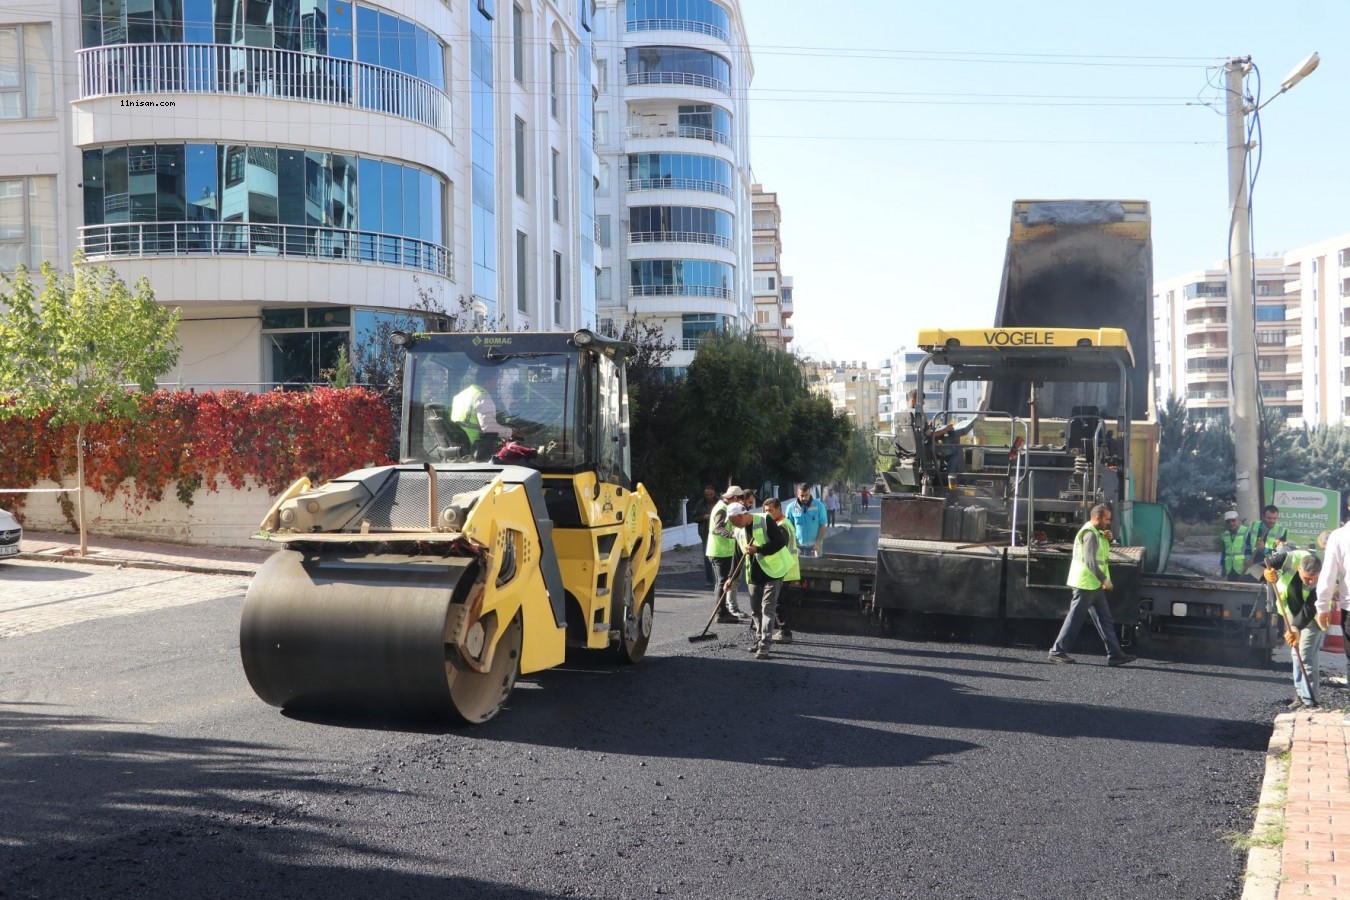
x,y
679,290
682,79
152,239
167,69
679,237
677,184
692,132
678,25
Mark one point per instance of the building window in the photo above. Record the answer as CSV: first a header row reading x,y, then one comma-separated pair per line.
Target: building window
x,y
604,291
602,79
693,327
302,343
554,100
765,284
27,222
522,272
520,157
601,135
960,402
518,43
26,72
602,231
761,317
557,288
556,185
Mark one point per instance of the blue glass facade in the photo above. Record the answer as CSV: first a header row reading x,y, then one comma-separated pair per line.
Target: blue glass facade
x,y
702,16
483,157
319,27
681,223
679,171
682,277
678,65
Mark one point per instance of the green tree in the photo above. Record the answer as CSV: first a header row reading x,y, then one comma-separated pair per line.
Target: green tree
x,y
1196,473
81,348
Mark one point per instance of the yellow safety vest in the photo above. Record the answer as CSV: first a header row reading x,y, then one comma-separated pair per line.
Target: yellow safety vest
x,y
795,570
719,547
1288,572
775,566
1235,550
1080,576
464,411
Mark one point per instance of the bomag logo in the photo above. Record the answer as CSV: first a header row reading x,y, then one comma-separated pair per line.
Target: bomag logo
x,y
492,342
1019,338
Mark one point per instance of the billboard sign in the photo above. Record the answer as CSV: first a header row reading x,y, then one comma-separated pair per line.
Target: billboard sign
x,y
1305,510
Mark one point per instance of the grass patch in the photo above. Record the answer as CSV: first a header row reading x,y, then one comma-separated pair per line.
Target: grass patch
x,y
1267,839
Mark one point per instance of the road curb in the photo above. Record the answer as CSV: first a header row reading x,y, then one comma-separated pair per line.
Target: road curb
x,y
1265,864
124,563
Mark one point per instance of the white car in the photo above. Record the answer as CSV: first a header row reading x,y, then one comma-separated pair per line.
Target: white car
x,y
10,535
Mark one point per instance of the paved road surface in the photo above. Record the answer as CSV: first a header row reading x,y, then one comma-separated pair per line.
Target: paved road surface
x,y
137,763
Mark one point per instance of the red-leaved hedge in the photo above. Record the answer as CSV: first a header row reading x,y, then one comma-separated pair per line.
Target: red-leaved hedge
x,y
193,439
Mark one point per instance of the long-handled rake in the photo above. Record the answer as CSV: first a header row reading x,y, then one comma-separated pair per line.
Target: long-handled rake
x,y
706,635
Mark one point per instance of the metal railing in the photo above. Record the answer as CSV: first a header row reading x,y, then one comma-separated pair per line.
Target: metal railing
x,y
679,290
678,184
716,31
259,71
144,239
692,132
679,237
684,79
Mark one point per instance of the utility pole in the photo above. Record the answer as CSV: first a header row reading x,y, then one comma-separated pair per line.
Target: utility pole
x,y
1244,411
1241,331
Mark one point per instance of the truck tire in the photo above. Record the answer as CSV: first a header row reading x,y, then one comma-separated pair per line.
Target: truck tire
x,y
632,620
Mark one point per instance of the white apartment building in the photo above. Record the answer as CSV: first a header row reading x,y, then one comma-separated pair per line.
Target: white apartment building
x,y
1319,343
1191,340
900,376
295,173
673,196
773,292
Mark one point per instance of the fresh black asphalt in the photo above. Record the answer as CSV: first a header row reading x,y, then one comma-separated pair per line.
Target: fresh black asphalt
x,y
137,763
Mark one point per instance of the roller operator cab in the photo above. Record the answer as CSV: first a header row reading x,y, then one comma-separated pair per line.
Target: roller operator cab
x,y
429,586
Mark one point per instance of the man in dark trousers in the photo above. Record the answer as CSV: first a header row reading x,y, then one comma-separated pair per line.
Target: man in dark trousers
x,y
767,562
1090,578
702,514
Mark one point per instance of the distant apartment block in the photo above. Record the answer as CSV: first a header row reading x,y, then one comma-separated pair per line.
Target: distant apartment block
x,y
673,177
1302,333
773,292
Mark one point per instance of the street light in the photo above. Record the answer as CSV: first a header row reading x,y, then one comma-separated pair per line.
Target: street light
x,y
1241,339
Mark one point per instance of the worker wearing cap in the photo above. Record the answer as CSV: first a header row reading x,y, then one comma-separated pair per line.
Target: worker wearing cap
x,y
721,552
1237,548
1090,578
1294,573
767,562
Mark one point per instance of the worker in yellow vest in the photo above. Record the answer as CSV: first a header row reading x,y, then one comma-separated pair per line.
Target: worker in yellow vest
x,y
1090,578
1237,548
767,562
474,409
773,508
721,554
1294,574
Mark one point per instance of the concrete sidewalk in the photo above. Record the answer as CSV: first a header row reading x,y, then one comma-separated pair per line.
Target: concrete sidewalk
x,y
44,546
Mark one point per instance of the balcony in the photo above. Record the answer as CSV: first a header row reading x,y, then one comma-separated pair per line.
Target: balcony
x,y
170,69
1207,323
1206,376
1207,350
677,184
680,79
1293,287
785,306
689,132
230,239
787,332
680,290
678,237
678,25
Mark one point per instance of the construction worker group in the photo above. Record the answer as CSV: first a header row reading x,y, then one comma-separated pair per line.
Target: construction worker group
x,y
763,548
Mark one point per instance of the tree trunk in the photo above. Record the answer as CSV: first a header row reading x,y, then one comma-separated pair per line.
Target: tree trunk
x,y
79,489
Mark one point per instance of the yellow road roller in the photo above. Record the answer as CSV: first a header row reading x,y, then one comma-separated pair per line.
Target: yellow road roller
x,y
509,532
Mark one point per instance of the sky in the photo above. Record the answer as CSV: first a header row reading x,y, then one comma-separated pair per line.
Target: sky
x,y
897,135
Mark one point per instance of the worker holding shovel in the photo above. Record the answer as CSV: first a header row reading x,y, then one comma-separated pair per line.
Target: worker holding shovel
x,y
1293,575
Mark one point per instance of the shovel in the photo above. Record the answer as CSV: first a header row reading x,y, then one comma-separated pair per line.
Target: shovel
x,y
706,635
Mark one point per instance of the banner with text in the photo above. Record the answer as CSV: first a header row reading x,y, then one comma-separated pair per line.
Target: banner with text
x,y
1305,510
